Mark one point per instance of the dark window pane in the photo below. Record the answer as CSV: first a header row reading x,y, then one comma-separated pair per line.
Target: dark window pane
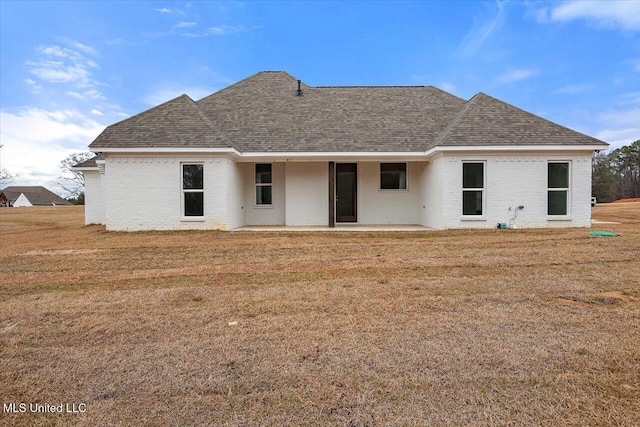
x,y
263,173
557,203
472,202
345,193
393,176
263,195
558,175
193,204
192,177
473,175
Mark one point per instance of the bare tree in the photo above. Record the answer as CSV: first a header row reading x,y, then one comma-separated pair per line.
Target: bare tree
x,y
6,177
72,181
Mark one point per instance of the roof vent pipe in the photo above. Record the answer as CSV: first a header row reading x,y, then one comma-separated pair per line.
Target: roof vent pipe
x,y
299,89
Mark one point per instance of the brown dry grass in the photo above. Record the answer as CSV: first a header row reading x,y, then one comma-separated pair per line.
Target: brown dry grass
x,y
493,327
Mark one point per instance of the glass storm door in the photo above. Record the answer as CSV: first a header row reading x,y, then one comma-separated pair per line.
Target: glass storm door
x,y
346,192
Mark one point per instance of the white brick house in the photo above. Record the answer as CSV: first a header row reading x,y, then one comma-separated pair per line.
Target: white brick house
x,y
270,150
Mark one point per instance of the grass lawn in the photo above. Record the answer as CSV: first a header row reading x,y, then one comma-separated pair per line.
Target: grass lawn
x,y
487,327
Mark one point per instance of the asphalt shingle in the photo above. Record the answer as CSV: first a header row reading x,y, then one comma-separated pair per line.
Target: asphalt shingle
x,y
176,123
263,113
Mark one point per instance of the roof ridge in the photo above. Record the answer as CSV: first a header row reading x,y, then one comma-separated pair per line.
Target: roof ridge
x,y
210,123
445,92
241,81
369,86
457,120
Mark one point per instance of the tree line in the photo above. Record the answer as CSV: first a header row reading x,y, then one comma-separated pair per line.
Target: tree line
x,y
616,175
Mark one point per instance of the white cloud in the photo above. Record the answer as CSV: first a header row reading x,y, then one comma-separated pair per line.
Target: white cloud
x,y
96,112
167,11
516,75
62,65
480,32
59,72
36,140
168,92
185,24
616,14
33,84
619,127
576,89
221,30
619,137
83,47
630,98
447,87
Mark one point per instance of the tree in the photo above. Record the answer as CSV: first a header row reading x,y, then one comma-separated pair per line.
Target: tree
x,y
6,177
72,181
617,175
602,179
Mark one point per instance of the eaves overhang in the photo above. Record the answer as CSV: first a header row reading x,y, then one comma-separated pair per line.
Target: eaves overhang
x,y
283,156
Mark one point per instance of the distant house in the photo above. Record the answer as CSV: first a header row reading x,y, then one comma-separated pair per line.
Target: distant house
x,y
271,150
30,196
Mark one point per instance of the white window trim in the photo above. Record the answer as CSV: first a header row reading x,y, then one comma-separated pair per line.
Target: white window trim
x,y
183,217
482,217
256,185
395,190
566,217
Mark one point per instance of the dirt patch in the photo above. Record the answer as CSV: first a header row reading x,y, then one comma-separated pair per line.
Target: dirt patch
x,y
600,299
62,252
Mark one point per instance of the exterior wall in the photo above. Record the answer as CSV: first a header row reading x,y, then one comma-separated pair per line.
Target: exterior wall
x,y
307,193
21,202
94,198
430,205
145,193
377,206
514,180
264,215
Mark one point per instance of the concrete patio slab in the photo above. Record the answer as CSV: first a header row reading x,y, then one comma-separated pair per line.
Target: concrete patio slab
x,y
338,227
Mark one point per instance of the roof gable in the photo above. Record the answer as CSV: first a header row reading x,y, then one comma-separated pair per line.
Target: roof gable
x,y
176,123
485,120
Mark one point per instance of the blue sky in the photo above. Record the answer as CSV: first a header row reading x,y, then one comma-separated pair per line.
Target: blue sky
x,y
68,69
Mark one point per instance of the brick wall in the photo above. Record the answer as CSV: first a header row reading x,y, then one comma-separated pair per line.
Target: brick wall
x,y
517,180
94,212
145,193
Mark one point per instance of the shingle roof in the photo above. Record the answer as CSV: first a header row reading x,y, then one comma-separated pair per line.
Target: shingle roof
x,y
176,123
263,113
37,195
90,163
485,120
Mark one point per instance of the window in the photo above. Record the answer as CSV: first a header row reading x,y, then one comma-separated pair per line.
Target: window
x,y
193,189
558,188
263,184
393,176
472,188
